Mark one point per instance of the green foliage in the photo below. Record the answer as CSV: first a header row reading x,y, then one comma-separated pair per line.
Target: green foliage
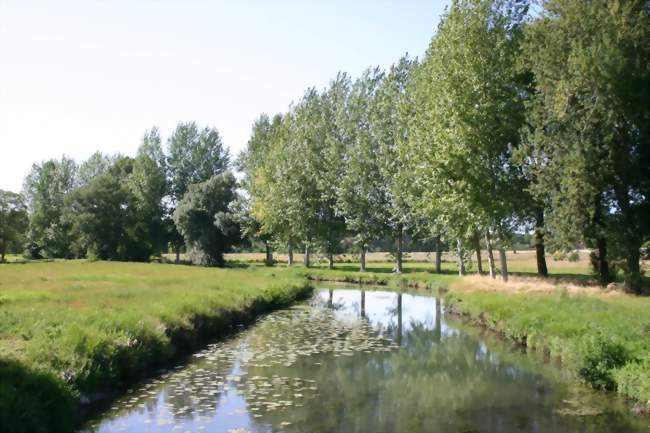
x,y
598,357
206,221
45,189
108,219
13,221
587,145
194,156
467,111
634,380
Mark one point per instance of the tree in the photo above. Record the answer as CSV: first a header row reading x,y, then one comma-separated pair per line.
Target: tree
x,y
106,218
194,156
206,221
588,141
252,162
331,142
468,112
389,114
148,183
96,165
13,220
362,197
45,188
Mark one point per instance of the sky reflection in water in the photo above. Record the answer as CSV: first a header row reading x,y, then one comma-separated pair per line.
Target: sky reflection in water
x,y
364,361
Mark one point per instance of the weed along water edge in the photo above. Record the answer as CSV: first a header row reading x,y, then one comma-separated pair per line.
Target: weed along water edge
x,y
351,360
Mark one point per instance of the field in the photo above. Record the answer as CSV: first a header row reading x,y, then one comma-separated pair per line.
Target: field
x,y
77,330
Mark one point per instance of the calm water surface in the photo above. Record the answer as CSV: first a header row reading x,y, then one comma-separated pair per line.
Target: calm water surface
x,y
364,361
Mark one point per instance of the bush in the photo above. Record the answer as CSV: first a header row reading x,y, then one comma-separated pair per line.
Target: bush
x,y
598,356
634,380
573,256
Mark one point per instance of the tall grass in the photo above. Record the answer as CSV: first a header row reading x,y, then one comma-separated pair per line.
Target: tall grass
x,y
78,330
604,340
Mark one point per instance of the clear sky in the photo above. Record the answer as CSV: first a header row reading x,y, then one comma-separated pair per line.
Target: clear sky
x,y
77,76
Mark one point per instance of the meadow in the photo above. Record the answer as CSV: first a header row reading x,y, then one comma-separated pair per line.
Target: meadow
x,y
73,331
80,331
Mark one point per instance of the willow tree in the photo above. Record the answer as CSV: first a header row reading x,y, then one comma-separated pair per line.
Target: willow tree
x,y
194,155
589,145
468,112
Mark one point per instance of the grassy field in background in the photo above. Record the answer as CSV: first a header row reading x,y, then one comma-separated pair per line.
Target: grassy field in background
x,y
73,328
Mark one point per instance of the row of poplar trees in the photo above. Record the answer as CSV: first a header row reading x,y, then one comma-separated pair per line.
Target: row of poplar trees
x,y
516,118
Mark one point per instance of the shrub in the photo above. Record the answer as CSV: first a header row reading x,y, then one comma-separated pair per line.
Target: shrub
x,y
598,356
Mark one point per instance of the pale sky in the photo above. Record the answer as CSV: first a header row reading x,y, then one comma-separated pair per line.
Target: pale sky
x,y
80,76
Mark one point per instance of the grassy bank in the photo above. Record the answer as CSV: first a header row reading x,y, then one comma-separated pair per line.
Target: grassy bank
x,y
72,331
603,339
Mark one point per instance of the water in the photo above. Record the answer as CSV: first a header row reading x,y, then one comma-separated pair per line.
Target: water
x,y
365,361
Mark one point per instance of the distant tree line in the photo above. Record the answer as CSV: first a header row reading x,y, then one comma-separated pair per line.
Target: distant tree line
x,y
511,122
123,208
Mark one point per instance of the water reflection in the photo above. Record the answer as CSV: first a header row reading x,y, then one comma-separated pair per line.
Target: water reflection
x,y
363,361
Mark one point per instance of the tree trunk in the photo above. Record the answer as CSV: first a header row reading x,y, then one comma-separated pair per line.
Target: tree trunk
x,y
603,265
490,252
363,258
477,246
542,270
504,264
632,270
400,238
290,254
178,255
461,260
269,253
307,263
363,303
438,256
330,261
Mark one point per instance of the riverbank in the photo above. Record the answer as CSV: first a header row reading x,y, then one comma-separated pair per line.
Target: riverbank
x,y
602,338
75,331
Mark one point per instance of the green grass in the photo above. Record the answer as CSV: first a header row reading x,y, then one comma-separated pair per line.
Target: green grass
x,y
604,340
73,329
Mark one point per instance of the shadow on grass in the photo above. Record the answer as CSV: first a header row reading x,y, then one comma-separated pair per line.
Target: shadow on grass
x,y
34,401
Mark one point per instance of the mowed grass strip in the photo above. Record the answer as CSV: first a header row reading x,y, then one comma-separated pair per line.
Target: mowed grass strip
x,y
75,329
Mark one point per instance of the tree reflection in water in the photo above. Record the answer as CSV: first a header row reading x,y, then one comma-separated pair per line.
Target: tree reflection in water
x,y
366,361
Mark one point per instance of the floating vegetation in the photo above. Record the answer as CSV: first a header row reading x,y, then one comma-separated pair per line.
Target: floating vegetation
x,y
323,367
